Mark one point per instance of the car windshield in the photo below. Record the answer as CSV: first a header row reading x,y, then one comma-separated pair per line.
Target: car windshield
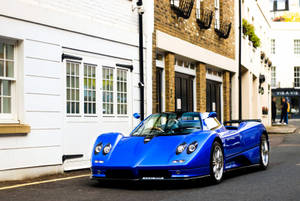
x,y
169,124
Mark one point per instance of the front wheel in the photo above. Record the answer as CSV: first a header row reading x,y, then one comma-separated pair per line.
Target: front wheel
x,y
216,163
264,152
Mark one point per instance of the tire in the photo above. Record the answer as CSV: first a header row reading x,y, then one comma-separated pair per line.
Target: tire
x,y
216,163
264,152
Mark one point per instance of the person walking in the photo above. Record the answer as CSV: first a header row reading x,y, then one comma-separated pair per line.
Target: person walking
x,y
287,111
284,108
273,109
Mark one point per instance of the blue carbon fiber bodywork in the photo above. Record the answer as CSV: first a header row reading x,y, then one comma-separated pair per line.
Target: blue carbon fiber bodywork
x,y
132,158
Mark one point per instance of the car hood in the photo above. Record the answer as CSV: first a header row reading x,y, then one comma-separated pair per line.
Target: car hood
x,y
159,151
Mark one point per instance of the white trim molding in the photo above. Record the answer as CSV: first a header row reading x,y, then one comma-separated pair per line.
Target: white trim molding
x,y
178,46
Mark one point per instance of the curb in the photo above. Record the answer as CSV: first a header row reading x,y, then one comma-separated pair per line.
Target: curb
x,y
281,131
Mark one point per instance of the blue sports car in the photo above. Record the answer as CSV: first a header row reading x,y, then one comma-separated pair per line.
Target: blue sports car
x,y
180,146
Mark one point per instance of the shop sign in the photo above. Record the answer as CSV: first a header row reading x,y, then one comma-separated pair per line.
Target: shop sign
x,y
286,93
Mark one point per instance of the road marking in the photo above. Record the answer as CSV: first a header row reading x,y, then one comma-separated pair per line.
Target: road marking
x,y
43,182
298,164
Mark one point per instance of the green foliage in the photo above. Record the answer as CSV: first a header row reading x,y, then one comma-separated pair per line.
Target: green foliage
x,y
249,30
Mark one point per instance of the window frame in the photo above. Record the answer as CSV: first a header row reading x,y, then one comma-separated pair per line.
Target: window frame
x,y
95,90
273,76
81,113
297,46
198,9
217,14
11,117
297,77
115,91
273,46
275,6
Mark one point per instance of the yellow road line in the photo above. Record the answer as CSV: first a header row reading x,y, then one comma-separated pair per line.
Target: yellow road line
x,y
43,182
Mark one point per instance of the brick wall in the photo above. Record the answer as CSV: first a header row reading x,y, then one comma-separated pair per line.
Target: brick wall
x,y
201,87
170,82
166,21
226,96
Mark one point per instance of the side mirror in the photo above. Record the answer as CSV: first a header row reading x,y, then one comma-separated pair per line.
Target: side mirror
x,y
212,115
136,115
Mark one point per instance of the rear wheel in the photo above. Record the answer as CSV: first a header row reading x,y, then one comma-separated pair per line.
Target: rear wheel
x,y
264,152
216,163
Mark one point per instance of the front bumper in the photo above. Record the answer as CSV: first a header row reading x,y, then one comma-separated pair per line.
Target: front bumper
x,y
140,174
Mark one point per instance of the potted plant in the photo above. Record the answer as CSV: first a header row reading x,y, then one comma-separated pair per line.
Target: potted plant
x,y
269,63
265,110
262,55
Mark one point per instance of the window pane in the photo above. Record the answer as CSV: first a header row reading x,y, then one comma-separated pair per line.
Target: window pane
x,y
6,88
89,88
108,89
9,69
6,105
85,108
73,88
1,68
72,69
1,50
68,68
10,52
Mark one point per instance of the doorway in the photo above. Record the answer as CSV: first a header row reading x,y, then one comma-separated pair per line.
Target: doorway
x,y
184,93
213,97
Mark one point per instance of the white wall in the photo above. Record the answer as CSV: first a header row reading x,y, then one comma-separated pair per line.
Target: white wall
x,y
98,31
257,14
284,58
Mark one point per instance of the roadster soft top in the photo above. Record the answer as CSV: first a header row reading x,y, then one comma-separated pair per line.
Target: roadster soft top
x,y
180,146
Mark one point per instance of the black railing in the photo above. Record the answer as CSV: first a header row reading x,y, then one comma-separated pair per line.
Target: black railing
x,y
182,8
224,30
205,19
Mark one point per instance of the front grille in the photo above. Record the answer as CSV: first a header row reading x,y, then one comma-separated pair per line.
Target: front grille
x,y
119,174
154,173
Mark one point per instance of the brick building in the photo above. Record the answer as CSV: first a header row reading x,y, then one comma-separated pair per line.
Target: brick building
x,y
194,56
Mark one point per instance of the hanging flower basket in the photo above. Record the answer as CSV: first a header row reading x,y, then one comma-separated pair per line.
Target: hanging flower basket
x,y
262,55
205,19
224,30
265,110
182,8
269,63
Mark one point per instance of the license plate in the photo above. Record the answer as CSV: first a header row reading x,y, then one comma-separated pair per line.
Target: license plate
x,y
153,178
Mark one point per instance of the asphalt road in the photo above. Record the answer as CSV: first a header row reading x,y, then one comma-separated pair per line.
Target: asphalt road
x,y
280,182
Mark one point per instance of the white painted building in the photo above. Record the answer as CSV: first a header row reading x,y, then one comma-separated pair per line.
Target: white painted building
x,y
286,64
281,7
62,77
256,94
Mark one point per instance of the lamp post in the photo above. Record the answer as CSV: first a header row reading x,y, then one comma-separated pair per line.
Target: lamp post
x,y
141,57
240,60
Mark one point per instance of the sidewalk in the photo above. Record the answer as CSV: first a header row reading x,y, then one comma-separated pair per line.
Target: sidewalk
x,y
281,129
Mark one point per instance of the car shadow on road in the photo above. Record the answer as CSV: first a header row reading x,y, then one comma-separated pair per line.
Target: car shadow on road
x,y
170,185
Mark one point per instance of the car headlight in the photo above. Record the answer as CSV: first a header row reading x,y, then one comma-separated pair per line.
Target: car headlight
x,y
98,148
106,149
192,147
180,148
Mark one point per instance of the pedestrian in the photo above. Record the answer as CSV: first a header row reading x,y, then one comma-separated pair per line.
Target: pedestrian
x,y
287,111
273,109
284,108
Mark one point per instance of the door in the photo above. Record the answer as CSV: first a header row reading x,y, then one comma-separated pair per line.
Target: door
x,y
159,90
184,92
213,97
